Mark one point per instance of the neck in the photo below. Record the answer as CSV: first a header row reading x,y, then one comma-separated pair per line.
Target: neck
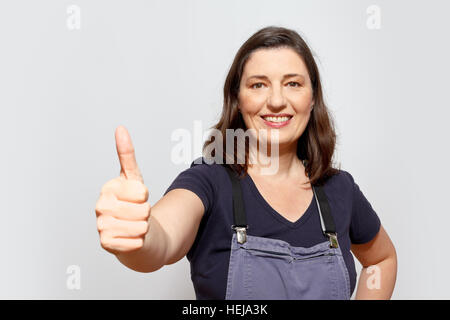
x,y
289,165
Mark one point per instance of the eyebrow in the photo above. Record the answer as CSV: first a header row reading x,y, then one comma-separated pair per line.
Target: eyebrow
x,y
289,75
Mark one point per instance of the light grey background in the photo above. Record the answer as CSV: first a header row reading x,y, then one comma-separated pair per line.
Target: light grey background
x,y
157,66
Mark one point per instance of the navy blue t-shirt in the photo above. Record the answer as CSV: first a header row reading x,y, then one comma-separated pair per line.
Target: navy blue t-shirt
x,y
356,222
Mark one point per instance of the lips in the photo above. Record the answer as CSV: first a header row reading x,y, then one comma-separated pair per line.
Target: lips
x,y
277,121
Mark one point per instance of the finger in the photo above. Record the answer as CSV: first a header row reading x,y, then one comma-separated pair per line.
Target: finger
x,y
125,151
123,210
132,211
125,190
116,228
115,245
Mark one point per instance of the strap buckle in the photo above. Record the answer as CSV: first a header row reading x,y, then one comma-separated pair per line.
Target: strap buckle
x,y
333,239
241,233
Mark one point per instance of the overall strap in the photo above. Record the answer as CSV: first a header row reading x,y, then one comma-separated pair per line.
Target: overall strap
x,y
239,216
326,219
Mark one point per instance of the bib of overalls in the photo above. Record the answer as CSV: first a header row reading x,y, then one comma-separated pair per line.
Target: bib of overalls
x,y
266,268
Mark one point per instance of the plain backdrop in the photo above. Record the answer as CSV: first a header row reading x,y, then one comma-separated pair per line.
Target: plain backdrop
x,y
159,66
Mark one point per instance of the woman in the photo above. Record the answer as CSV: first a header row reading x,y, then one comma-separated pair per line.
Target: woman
x,y
248,234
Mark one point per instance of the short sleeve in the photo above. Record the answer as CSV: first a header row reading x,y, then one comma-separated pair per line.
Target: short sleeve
x,y
198,178
365,222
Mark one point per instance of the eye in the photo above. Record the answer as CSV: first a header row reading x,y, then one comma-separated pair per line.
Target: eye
x,y
296,84
256,84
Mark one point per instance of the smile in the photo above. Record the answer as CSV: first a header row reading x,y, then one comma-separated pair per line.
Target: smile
x,y
276,121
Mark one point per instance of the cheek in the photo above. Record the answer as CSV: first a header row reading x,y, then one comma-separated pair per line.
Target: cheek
x,y
302,102
251,103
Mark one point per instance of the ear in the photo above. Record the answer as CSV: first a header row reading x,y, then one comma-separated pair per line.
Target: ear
x,y
312,105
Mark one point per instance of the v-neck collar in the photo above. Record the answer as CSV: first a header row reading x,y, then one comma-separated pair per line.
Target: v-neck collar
x,y
268,208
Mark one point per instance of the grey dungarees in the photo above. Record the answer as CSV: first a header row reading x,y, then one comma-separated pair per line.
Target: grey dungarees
x,y
265,268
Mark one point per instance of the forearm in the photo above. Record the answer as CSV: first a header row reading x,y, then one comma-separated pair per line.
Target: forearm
x,y
152,256
377,282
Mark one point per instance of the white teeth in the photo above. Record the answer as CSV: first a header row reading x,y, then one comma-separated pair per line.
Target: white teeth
x,y
277,119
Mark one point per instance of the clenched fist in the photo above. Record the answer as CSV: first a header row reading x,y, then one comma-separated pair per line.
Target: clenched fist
x,y
122,209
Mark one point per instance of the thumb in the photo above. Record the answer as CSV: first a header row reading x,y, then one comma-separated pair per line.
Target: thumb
x,y
125,150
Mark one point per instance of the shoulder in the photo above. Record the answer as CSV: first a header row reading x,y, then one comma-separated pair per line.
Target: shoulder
x,y
206,167
208,172
202,178
340,185
341,179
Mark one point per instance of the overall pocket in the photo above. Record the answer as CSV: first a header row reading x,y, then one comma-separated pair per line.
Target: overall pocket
x,y
282,255
278,275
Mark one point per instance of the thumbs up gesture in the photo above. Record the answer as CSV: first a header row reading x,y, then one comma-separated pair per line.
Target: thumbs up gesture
x,y
122,209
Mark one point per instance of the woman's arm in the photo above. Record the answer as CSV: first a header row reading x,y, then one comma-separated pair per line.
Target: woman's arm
x,y
379,260
142,237
173,226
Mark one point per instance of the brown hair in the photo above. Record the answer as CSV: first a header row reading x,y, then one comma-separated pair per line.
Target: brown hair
x,y
317,143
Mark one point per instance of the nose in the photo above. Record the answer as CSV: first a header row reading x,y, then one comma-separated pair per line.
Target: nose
x,y
276,98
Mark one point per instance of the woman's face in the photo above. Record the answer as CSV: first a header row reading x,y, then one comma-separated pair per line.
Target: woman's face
x,y
275,93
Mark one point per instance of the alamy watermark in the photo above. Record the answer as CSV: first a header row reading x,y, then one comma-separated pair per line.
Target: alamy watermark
x,y
73,21
374,280
73,281
374,19
261,150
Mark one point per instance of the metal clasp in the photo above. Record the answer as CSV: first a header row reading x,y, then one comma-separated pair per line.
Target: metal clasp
x,y
333,240
241,233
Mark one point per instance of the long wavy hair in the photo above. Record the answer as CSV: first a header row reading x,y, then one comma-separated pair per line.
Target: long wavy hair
x,y
317,143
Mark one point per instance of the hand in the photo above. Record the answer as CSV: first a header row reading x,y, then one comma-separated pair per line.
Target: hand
x,y
122,209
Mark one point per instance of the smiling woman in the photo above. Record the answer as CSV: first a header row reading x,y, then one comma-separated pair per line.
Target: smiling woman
x,y
284,100
274,83
289,235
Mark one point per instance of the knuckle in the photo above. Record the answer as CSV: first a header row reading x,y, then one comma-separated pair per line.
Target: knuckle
x,y
143,192
102,223
139,243
112,186
100,207
145,211
145,227
107,204
146,193
105,243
